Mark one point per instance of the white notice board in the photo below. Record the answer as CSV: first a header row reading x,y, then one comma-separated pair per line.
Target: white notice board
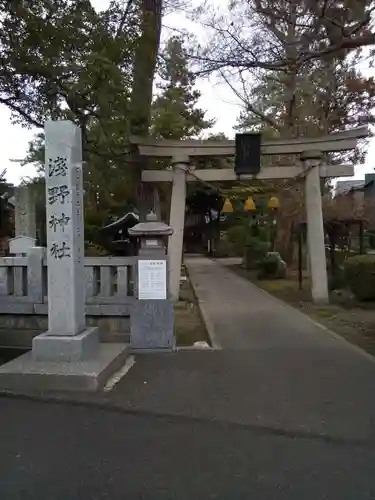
x,y
152,279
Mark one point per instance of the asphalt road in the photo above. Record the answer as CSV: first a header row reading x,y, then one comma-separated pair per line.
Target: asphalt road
x,y
67,452
286,411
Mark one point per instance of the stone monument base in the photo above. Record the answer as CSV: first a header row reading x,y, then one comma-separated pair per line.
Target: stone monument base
x,y
25,375
69,348
152,326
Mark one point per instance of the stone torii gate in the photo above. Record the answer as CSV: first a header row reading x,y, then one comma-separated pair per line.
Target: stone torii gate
x,y
311,151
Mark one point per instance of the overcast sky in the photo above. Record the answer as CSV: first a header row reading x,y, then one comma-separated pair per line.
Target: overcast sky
x,y
217,99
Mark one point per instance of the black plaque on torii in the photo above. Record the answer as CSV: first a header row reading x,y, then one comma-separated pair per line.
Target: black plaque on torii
x,y
247,160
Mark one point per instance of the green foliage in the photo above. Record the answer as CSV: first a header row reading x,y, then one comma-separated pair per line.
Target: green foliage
x,y
336,280
6,220
262,232
255,251
238,236
63,59
94,250
246,243
269,267
360,276
174,111
225,248
38,189
175,114
68,61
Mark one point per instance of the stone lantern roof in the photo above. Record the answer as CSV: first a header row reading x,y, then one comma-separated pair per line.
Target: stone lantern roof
x,y
152,227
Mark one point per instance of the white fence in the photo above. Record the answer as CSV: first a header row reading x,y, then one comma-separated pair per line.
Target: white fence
x,y
110,285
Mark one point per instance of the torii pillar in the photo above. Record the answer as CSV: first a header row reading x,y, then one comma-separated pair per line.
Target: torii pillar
x,y
180,165
315,227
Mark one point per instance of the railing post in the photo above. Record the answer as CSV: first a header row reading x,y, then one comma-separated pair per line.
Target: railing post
x,y
105,281
89,278
122,281
35,288
5,285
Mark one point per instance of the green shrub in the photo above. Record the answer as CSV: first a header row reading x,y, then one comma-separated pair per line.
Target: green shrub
x,y
226,249
237,237
269,266
336,279
263,233
360,276
255,251
94,250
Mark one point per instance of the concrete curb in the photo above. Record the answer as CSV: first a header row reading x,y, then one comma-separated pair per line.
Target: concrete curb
x,y
205,316
352,347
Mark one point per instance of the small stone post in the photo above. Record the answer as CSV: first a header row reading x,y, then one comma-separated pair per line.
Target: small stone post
x,y
67,338
152,319
177,221
315,227
25,224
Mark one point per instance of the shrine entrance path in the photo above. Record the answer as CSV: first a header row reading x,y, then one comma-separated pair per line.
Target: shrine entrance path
x,y
241,316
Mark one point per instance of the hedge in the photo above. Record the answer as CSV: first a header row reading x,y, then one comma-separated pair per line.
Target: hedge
x,y
360,276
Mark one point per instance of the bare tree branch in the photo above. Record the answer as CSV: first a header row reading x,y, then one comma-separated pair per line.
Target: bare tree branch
x,y
123,19
321,34
17,109
246,101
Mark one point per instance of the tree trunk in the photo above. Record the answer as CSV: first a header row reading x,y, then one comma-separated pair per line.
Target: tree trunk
x,y
141,98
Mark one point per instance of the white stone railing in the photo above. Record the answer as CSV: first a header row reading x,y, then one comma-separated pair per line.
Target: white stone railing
x,y
110,283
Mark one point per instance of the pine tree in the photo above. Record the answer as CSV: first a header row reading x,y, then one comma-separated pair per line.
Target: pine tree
x,y
174,111
316,97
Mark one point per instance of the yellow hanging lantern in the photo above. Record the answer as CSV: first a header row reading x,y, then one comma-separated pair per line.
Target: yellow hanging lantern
x,y
273,203
249,205
227,207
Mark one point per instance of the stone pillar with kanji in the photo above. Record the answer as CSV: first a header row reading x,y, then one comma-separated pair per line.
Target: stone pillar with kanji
x,y
67,338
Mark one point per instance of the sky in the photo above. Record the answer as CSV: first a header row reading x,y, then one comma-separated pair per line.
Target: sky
x,y
216,98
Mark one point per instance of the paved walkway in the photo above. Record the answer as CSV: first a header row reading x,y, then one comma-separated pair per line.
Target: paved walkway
x,y
283,411
242,316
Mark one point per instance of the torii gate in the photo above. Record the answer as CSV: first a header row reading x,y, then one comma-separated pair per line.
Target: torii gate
x,y
311,152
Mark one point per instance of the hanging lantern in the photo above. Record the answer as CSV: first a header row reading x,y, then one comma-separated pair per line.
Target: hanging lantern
x,y
227,207
249,205
273,203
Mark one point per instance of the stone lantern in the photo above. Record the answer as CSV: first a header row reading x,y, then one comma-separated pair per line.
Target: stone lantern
x,y
152,318
152,236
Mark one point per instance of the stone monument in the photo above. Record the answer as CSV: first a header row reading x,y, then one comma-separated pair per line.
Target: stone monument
x,y
21,245
67,338
152,319
24,208
68,356
25,225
